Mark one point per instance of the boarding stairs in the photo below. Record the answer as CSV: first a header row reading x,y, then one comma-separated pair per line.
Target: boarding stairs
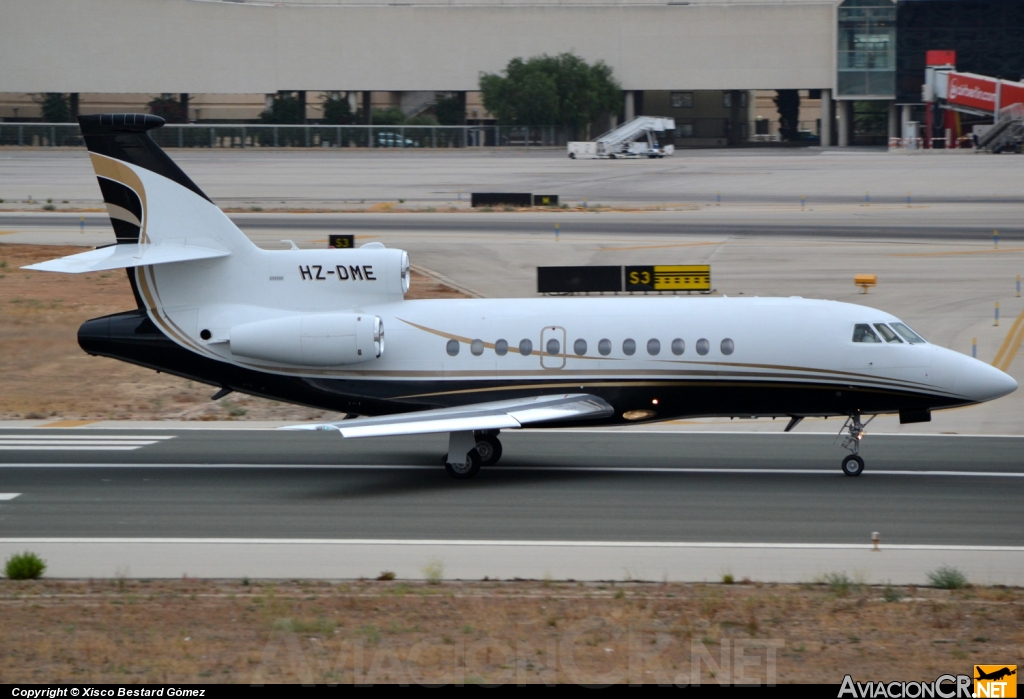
x,y
633,139
1007,133
416,102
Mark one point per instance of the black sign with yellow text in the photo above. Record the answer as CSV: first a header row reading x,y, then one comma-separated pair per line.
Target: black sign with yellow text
x,y
346,241
668,278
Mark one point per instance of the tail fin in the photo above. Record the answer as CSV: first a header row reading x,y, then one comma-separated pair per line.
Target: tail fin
x,y
159,215
149,199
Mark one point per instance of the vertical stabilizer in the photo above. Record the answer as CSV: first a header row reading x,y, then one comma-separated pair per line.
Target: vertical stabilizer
x,y
149,199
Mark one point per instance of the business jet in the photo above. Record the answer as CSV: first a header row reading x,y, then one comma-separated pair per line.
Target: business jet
x,y
308,326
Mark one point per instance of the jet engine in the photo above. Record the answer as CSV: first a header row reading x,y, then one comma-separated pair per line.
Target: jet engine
x,y
320,339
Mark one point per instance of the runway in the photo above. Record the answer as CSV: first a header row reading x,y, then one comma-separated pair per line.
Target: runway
x,y
570,505
580,486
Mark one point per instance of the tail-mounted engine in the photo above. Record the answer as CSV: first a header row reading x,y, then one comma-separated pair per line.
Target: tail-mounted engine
x,y
321,339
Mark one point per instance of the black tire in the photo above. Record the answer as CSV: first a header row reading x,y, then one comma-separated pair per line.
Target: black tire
x,y
489,448
853,465
470,469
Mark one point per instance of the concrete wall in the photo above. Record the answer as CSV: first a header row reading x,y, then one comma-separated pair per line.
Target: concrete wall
x,y
154,46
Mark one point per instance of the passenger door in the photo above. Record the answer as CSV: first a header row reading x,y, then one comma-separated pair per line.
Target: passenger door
x,y
552,347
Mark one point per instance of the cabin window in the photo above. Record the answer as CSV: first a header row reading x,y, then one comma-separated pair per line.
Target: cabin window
x,y
653,347
501,348
678,346
862,332
629,347
887,334
553,347
580,347
703,347
728,346
477,347
908,334
604,347
526,348
452,348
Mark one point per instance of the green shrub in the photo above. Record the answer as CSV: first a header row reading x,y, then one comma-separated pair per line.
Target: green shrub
x,y
24,566
390,116
891,594
947,578
421,120
728,579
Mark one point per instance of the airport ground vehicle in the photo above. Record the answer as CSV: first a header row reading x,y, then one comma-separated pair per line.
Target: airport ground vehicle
x,y
634,139
308,327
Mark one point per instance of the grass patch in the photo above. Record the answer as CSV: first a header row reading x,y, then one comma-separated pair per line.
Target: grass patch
x,y
24,566
434,571
839,583
947,578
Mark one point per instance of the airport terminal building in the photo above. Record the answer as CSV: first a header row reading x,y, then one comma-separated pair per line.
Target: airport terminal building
x,y
713,65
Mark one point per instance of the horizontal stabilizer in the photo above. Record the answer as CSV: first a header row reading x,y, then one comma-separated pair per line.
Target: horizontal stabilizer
x,y
496,415
126,255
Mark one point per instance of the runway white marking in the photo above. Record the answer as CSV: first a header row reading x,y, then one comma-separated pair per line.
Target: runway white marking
x,y
63,442
8,496
532,469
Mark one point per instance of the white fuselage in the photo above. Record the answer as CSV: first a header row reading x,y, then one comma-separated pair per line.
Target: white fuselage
x,y
550,340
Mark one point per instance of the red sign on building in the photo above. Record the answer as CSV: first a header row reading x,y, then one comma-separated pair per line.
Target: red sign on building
x,y
972,91
940,58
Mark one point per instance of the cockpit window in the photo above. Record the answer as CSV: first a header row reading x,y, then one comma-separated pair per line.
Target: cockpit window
x,y
862,332
887,334
908,334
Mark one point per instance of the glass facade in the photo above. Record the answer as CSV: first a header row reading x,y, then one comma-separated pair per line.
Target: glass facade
x,y
866,55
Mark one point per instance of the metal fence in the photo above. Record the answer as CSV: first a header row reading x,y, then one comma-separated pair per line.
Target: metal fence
x,y
694,132
301,136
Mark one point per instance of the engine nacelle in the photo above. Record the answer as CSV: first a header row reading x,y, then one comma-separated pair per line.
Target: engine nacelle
x,y
319,339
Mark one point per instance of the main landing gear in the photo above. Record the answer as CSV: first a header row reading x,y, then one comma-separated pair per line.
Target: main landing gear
x,y
481,448
853,465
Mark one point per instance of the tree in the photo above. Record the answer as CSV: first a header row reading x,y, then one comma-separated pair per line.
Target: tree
x,y
450,110
560,90
54,106
337,110
171,110
788,104
285,109
389,116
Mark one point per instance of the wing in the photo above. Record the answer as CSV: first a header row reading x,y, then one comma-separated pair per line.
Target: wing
x,y
495,415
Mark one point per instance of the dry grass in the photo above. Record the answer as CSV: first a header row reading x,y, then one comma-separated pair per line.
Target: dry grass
x,y
233,631
46,374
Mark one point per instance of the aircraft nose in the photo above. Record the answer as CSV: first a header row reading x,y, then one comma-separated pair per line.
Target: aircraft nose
x,y
982,382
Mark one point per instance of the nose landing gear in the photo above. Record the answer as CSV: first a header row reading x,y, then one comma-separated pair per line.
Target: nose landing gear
x,y
853,465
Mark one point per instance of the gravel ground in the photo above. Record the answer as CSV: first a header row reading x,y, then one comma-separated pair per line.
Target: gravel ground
x,y
127,631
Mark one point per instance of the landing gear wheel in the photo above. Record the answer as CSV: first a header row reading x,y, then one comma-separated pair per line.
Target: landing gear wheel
x,y
853,465
466,470
489,449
